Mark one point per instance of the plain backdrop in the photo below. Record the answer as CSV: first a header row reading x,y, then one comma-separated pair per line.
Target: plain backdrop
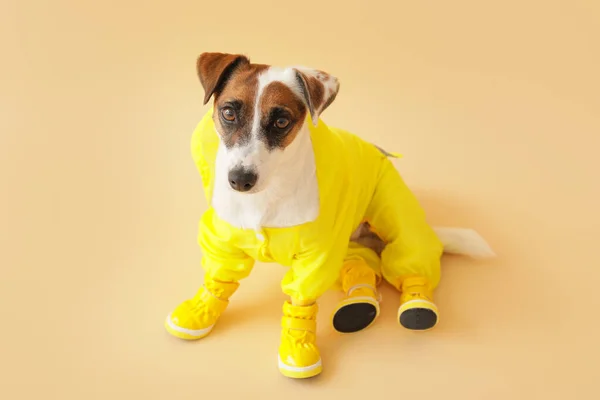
x,y
495,106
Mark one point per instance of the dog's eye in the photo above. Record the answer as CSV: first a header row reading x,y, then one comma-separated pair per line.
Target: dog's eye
x,y
228,114
282,123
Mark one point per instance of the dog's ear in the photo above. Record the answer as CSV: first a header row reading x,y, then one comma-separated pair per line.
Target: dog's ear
x,y
215,68
318,88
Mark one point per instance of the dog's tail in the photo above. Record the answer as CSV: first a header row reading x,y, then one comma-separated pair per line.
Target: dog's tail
x,y
464,241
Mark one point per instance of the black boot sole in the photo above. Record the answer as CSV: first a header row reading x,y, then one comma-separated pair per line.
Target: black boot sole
x,y
354,317
418,319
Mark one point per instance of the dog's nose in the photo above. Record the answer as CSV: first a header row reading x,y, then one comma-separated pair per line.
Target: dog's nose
x,y
242,179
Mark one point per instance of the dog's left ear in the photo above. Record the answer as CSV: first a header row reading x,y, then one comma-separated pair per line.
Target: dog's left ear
x,y
318,88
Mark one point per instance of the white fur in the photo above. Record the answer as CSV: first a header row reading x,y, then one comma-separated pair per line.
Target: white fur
x,y
286,193
463,241
290,198
277,74
254,154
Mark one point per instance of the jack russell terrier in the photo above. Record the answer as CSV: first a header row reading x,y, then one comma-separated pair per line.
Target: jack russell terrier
x,y
284,187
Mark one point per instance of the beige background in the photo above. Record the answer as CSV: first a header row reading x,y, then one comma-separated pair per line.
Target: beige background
x,y
495,106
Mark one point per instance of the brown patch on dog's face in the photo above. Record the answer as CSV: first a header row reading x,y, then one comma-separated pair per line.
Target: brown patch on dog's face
x,y
281,111
282,114
234,106
234,83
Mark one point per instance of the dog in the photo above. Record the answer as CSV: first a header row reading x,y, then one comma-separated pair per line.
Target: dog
x,y
285,187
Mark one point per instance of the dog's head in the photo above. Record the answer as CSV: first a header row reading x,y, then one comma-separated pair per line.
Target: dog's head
x,y
259,111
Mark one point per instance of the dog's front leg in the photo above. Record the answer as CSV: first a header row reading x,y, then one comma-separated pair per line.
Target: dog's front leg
x,y
225,266
299,356
314,271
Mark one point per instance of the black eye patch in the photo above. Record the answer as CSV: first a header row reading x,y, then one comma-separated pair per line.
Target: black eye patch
x,y
276,114
273,134
236,131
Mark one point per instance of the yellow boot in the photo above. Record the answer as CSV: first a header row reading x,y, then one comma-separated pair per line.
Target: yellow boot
x,y
195,318
417,310
360,308
299,356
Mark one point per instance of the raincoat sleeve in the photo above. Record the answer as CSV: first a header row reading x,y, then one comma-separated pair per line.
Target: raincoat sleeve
x,y
221,259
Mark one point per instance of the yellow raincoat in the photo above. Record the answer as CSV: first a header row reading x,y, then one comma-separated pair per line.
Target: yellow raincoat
x,y
356,182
